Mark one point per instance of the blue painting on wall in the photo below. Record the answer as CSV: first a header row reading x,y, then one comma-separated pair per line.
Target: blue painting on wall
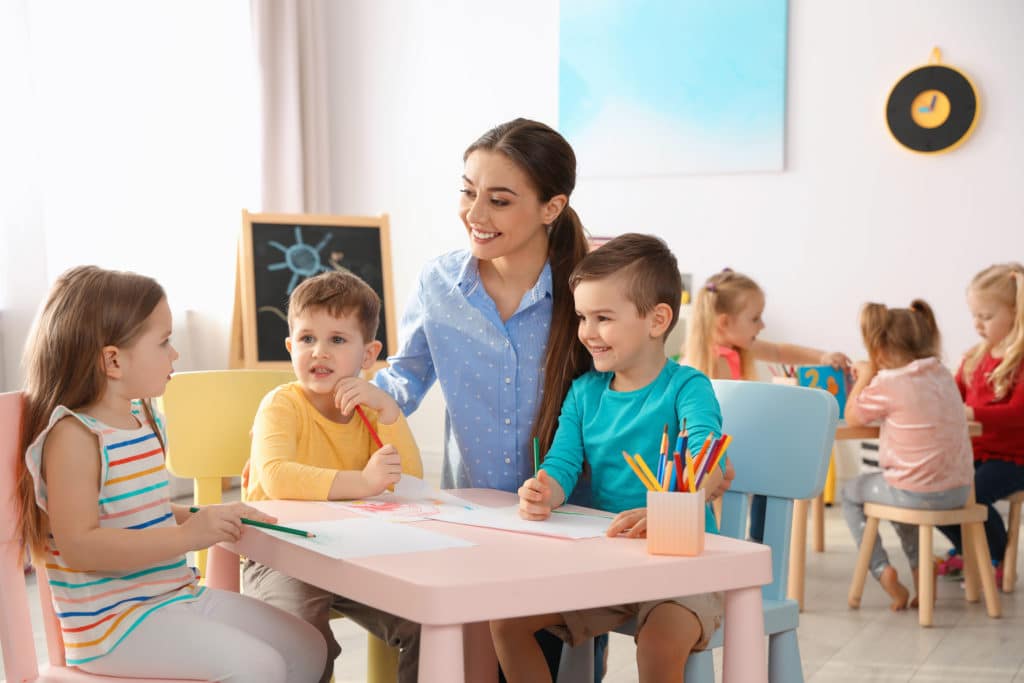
x,y
663,87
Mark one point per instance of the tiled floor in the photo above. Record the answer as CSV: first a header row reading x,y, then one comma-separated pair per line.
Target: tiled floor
x,y
840,645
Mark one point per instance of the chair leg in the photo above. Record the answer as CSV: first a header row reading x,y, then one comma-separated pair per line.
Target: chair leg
x,y
381,661
985,572
700,668
818,523
798,554
971,585
784,658
860,572
1012,544
925,575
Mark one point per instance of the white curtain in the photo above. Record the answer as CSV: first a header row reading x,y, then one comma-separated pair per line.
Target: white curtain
x,y
290,41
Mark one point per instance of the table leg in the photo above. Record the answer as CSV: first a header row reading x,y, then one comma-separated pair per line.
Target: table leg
x,y
441,654
222,569
481,660
743,658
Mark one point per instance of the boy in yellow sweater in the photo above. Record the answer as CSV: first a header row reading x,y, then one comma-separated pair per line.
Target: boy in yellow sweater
x,y
309,443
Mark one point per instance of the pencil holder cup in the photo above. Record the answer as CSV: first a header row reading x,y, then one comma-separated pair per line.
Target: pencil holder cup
x,y
675,523
790,381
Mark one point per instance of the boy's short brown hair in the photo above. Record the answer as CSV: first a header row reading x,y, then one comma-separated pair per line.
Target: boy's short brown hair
x,y
339,293
649,266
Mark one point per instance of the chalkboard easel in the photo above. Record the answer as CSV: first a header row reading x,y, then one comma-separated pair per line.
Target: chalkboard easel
x,y
277,252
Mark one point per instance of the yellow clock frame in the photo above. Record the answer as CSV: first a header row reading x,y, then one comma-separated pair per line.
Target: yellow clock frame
x,y
933,108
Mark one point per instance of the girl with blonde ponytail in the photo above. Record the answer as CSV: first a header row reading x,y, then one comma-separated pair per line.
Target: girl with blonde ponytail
x,y
722,343
990,384
923,449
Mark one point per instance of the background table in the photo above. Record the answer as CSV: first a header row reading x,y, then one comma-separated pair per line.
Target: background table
x,y
454,592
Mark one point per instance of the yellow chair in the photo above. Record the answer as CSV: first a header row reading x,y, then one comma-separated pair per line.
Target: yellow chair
x,y
209,424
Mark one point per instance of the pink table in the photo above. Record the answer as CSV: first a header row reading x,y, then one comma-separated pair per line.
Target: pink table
x,y
454,592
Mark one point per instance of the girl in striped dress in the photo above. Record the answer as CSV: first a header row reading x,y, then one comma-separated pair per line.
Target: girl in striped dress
x,y
95,505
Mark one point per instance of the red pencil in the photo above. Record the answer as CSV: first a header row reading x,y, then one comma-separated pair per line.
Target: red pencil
x,y
373,433
680,471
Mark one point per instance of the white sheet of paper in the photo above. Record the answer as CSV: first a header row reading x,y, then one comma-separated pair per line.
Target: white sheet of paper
x,y
344,539
559,524
412,500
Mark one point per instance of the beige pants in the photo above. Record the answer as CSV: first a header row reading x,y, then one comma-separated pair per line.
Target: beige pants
x,y
581,625
314,605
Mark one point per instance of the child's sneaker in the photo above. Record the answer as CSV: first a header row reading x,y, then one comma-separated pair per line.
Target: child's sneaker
x,y
952,567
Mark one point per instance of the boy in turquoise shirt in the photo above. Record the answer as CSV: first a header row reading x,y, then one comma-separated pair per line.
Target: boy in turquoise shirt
x,y
627,296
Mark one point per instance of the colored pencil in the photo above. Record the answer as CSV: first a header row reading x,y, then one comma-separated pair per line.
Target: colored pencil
x,y
536,456
691,485
680,472
663,453
647,471
373,432
268,525
668,476
637,472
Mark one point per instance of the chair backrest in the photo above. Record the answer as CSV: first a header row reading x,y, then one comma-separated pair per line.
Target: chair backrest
x,y
782,439
209,421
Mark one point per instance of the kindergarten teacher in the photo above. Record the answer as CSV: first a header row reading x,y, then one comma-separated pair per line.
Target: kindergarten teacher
x,y
495,324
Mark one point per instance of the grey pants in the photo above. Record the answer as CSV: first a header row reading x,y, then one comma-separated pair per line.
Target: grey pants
x,y
872,488
314,605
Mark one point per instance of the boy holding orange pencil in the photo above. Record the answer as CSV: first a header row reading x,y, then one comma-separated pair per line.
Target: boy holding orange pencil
x,y
331,435
627,299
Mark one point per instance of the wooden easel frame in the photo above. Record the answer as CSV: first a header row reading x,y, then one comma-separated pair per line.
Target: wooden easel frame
x,y
244,351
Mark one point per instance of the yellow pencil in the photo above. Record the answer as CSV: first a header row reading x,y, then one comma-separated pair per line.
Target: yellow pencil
x,y
637,472
668,475
647,471
690,483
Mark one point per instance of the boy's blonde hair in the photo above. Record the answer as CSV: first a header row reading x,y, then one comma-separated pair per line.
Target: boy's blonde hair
x,y
725,292
650,268
1004,283
339,293
900,333
87,309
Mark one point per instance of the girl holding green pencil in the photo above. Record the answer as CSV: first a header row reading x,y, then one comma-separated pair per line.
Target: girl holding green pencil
x,y
95,508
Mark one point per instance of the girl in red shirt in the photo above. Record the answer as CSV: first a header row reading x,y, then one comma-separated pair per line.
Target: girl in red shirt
x,y
993,390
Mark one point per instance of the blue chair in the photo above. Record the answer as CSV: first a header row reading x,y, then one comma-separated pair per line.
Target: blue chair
x,y
782,440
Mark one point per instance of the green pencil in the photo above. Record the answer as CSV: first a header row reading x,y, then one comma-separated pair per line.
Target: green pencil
x,y
536,456
268,525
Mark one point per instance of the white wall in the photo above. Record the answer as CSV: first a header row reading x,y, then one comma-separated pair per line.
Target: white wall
x,y
854,217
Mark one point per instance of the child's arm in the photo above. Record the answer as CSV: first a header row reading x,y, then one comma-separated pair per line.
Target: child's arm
x,y
386,419
71,469
864,372
791,354
999,416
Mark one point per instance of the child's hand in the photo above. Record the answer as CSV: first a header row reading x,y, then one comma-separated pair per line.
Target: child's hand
x,y
715,484
631,522
214,524
383,470
354,391
836,359
535,497
864,369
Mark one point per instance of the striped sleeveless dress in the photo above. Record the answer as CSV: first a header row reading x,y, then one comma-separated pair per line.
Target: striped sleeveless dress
x,y
97,610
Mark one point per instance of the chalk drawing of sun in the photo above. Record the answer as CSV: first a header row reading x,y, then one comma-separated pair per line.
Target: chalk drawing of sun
x,y
301,258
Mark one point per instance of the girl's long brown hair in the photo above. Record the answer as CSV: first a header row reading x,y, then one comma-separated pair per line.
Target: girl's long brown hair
x,y
1004,283
724,292
548,160
87,309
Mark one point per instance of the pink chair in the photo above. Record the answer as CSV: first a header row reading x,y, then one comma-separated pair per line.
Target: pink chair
x,y
16,640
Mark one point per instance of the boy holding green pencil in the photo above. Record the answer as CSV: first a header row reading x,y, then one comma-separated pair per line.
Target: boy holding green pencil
x,y
331,435
627,299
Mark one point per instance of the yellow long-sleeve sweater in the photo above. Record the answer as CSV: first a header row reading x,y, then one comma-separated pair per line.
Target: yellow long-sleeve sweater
x,y
296,451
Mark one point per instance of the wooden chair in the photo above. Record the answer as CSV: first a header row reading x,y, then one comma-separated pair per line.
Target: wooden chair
x,y
1012,542
209,424
971,519
17,643
782,437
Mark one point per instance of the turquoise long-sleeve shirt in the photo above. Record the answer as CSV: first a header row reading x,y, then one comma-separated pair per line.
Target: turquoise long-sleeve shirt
x,y
598,423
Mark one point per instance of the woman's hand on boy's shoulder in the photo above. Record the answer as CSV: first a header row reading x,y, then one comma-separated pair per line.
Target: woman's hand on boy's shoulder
x,y
631,523
355,391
